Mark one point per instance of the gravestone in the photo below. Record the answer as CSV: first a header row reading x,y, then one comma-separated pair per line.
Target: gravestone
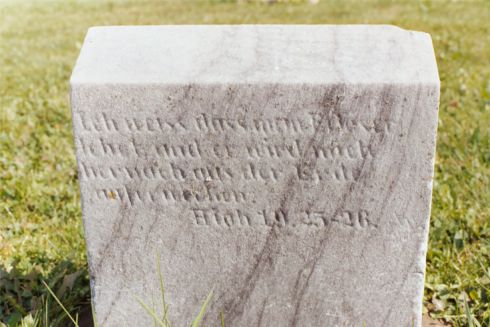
x,y
287,168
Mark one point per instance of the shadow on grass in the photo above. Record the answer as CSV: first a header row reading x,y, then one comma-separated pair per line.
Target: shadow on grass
x,y
23,294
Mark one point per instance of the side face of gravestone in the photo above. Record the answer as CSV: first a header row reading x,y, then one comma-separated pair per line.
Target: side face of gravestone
x,y
286,168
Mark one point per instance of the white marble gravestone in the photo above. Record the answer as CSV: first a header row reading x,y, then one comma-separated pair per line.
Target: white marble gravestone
x,y
288,168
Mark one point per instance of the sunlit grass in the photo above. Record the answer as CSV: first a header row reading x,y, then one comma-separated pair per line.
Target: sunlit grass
x,y
41,236
41,316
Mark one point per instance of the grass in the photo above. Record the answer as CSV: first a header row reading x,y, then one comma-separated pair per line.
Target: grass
x,y
40,317
41,236
164,321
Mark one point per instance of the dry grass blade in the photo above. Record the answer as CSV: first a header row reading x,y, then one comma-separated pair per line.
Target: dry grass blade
x,y
151,312
197,321
162,291
93,315
222,318
61,304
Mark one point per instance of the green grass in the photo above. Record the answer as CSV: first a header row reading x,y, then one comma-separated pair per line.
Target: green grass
x,y
41,236
40,317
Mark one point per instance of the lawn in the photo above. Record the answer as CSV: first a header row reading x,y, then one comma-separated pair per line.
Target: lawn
x,y
41,234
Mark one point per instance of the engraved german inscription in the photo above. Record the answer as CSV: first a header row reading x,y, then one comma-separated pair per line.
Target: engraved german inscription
x,y
143,168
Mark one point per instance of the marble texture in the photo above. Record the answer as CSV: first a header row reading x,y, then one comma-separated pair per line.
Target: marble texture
x,y
288,168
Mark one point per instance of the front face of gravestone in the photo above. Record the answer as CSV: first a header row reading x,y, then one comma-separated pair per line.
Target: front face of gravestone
x,y
297,204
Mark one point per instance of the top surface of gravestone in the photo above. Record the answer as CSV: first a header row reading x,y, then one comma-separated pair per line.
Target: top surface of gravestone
x,y
311,54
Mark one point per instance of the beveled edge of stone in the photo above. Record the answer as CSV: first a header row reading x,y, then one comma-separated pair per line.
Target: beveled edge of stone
x,y
255,54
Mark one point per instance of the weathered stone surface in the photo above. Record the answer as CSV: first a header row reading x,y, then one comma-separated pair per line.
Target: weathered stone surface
x,y
289,168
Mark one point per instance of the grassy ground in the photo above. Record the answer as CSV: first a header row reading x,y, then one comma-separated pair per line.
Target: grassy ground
x,y
40,221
